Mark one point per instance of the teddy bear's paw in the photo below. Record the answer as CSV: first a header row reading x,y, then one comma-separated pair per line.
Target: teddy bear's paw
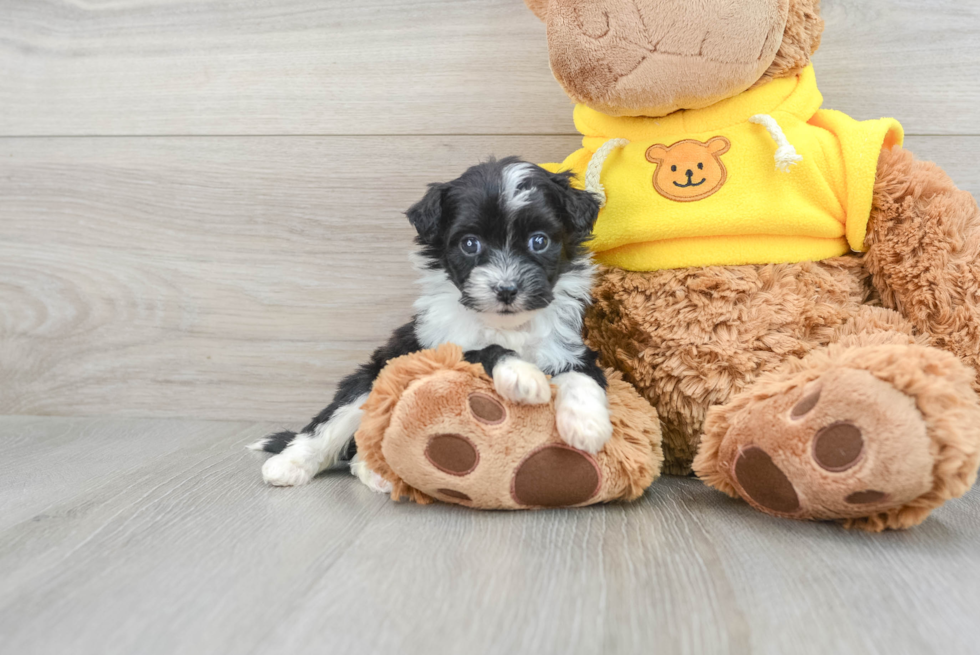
x,y
521,382
847,445
458,441
582,412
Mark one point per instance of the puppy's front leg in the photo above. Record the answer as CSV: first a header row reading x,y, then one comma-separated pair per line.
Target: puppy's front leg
x,y
513,378
581,407
582,412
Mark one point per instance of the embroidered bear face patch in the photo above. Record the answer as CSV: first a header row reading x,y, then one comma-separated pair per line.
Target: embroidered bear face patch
x,y
689,170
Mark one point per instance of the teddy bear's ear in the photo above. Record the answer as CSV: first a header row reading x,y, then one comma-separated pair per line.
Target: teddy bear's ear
x,y
801,38
656,154
539,7
426,215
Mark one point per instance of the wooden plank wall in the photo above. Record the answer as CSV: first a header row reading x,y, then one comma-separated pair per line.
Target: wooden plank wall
x,y
200,201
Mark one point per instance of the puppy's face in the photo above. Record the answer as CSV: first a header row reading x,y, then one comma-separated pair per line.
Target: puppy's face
x,y
504,232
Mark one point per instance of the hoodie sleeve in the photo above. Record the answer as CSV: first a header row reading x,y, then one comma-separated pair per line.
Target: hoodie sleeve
x,y
861,143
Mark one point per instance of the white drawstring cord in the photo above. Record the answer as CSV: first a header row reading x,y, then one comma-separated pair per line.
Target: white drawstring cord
x,y
594,170
786,154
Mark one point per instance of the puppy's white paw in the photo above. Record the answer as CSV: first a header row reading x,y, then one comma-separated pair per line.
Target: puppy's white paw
x,y
521,382
284,471
371,480
583,429
582,412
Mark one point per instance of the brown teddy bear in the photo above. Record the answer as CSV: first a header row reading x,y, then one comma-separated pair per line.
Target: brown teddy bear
x,y
794,293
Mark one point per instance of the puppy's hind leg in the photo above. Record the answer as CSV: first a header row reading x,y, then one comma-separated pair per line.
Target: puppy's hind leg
x,y
329,436
313,450
322,442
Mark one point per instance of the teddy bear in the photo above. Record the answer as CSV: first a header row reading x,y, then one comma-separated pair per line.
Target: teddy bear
x,y
794,294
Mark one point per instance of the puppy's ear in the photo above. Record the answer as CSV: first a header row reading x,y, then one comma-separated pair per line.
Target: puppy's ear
x,y
580,207
426,215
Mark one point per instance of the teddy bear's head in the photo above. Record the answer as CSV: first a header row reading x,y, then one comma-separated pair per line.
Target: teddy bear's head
x,y
653,57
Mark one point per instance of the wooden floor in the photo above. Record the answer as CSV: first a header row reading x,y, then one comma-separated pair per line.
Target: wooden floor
x,y
201,231
157,536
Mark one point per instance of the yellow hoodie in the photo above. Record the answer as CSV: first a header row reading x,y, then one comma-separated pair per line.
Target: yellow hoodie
x,y
701,187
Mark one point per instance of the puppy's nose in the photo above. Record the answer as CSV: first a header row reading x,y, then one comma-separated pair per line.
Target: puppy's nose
x,y
690,173
506,292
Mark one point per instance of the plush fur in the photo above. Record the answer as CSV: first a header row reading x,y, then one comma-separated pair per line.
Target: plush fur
x,y
924,252
689,339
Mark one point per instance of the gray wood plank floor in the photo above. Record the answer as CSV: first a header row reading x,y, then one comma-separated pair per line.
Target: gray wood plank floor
x,y
157,536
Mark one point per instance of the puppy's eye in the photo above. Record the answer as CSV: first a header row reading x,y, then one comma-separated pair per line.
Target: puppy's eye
x,y
700,166
538,242
674,168
470,245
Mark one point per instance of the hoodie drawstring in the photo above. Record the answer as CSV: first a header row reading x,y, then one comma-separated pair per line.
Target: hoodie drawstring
x,y
786,154
594,169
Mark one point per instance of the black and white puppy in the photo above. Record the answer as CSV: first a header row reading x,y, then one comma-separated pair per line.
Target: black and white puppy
x,y
505,275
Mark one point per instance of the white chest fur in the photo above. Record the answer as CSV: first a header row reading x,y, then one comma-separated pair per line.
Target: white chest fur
x,y
551,337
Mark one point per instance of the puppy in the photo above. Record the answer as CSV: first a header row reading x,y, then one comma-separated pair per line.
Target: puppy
x,y
505,275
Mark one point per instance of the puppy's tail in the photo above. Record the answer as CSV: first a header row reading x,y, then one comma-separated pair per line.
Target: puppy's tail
x,y
274,443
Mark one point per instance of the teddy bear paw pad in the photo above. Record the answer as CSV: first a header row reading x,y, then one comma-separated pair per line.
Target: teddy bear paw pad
x,y
486,409
556,475
452,453
838,446
763,482
846,445
454,495
866,497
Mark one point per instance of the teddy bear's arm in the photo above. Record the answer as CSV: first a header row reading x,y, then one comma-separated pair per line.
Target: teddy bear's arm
x,y
923,252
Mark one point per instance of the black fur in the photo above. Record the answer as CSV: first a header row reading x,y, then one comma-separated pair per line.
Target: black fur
x,y
475,206
488,357
402,342
590,366
276,443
